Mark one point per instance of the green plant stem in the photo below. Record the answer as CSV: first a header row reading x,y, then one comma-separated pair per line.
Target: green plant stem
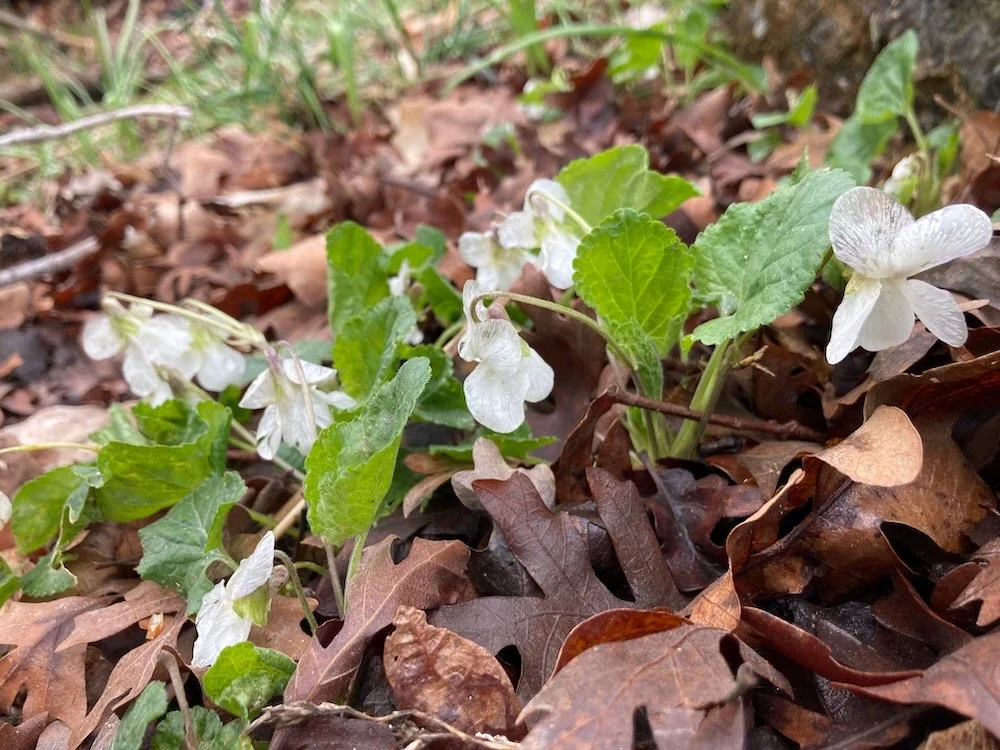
x,y
557,308
354,564
31,447
449,333
404,35
918,133
719,57
338,590
566,209
704,399
293,577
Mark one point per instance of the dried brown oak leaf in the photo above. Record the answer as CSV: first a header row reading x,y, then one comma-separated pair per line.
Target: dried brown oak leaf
x,y
554,551
432,574
683,677
442,674
985,587
966,681
54,680
133,671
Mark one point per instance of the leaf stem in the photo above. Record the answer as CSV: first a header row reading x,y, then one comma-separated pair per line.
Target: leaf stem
x,y
568,210
703,400
293,577
557,308
918,133
338,589
355,563
449,333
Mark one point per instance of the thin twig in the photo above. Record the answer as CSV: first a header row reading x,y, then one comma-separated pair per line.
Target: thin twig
x,y
787,430
64,259
41,133
170,662
300,711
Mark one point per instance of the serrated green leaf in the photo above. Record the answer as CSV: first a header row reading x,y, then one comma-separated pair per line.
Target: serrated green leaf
x,y
140,480
245,677
856,145
757,261
349,469
209,730
635,272
365,351
356,273
886,92
620,178
147,708
177,549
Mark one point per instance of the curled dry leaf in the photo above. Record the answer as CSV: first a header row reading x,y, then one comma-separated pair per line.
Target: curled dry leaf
x,y
985,587
431,575
681,677
442,674
615,625
886,451
490,464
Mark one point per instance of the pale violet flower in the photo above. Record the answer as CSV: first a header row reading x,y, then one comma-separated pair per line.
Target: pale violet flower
x,y
282,393
218,623
541,224
884,245
151,344
497,267
509,371
219,366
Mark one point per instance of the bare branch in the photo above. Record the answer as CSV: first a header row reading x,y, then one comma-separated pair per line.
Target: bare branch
x,y
51,132
35,269
300,711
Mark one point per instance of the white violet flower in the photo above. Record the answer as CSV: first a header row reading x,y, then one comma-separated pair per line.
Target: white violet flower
x,y
219,624
497,267
282,393
6,509
884,245
541,225
219,366
509,372
150,343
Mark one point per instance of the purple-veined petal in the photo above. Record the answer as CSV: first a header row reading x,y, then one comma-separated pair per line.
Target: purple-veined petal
x,y
863,223
495,342
495,399
948,233
937,310
314,373
891,320
859,299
